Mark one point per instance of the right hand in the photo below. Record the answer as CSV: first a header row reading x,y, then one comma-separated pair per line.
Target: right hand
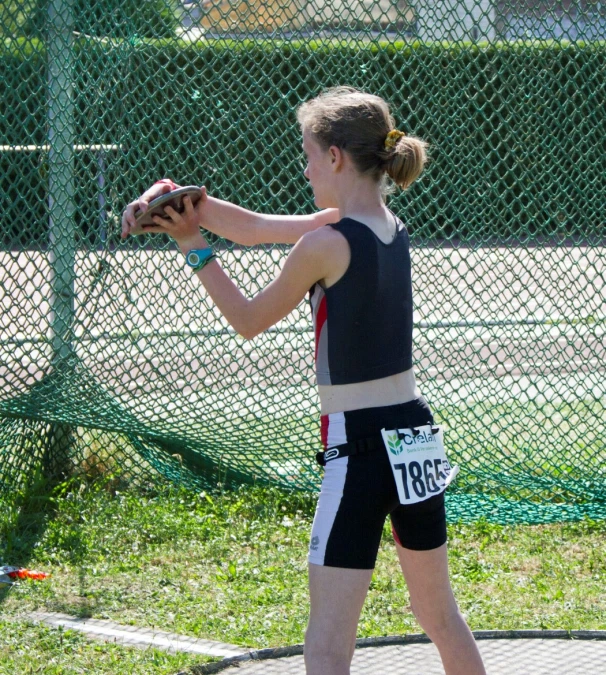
x,y
141,204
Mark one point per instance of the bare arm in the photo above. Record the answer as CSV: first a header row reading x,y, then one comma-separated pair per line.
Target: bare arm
x,y
309,261
249,228
236,223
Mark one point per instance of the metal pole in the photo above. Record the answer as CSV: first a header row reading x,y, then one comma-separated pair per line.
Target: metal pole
x,y
101,197
62,244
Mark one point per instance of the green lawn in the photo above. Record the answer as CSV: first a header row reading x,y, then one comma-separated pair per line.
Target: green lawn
x,y
27,648
232,567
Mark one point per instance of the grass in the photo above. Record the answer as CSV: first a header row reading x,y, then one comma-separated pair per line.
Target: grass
x,y
232,567
28,648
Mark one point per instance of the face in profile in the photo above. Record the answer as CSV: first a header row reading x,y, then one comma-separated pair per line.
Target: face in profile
x,y
319,172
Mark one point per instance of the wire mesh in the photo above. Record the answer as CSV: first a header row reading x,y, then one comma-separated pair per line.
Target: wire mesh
x,y
113,362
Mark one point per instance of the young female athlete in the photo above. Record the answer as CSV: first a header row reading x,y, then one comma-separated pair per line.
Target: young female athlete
x,y
354,256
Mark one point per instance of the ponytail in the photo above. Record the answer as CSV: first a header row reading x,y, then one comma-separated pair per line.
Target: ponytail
x,y
405,161
362,125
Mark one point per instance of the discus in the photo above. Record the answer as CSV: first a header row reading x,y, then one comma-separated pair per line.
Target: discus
x,y
143,219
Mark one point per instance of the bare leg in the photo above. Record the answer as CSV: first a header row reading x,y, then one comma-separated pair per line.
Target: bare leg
x,y
426,574
336,596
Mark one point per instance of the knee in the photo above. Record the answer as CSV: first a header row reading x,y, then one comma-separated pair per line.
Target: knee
x,y
323,655
438,620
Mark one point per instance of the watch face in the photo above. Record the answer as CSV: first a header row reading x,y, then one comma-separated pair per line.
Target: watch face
x,y
193,258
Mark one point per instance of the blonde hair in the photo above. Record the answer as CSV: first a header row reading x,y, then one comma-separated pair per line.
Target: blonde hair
x,y
358,123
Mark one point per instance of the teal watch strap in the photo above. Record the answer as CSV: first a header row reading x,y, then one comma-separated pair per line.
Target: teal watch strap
x,y
197,258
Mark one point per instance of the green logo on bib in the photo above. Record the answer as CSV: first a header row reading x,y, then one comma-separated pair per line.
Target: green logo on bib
x,y
394,444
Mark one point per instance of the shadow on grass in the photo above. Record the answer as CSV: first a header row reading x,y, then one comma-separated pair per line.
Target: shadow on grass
x,y
34,477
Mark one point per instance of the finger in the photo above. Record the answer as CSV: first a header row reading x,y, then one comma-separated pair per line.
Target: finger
x,y
130,212
163,187
174,215
154,191
153,229
163,222
128,219
139,205
125,226
202,200
127,215
189,207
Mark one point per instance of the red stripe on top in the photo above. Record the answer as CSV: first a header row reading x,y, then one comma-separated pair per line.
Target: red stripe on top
x,y
395,535
319,323
324,430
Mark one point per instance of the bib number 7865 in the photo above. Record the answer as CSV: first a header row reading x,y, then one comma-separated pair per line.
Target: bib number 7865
x,y
418,462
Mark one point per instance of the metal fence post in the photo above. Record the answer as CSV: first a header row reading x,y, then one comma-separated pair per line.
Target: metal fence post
x,y
62,244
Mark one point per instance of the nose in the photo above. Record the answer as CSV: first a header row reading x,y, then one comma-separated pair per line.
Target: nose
x,y
306,172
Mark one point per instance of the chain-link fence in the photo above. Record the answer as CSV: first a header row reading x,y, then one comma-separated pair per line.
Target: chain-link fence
x,y
113,362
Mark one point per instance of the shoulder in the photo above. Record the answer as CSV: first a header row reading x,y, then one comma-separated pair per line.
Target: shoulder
x,y
322,241
324,253
401,228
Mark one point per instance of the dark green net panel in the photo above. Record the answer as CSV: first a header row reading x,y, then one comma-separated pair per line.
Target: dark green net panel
x,y
114,364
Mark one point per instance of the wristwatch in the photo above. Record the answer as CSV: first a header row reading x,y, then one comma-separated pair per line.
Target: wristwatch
x,y
197,258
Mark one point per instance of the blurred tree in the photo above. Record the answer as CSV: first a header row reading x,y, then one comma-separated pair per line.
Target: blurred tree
x,y
104,18
13,15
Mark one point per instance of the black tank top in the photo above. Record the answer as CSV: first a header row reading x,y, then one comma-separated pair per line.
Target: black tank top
x,y
363,322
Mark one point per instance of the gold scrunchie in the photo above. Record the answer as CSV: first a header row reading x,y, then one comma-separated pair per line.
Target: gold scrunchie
x,y
392,138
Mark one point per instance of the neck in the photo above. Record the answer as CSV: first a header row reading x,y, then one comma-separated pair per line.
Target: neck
x,y
360,198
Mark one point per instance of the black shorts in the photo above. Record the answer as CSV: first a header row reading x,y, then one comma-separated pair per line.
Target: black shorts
x,y
358,492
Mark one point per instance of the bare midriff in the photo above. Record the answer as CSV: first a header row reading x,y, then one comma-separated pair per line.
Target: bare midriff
x,y
391,390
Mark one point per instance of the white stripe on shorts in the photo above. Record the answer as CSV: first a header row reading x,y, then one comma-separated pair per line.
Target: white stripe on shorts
x,y
336,430
329,501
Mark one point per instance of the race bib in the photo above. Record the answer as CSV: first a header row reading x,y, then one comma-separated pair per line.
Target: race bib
x,y
418,462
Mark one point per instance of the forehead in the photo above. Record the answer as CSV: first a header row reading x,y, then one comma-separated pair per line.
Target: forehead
x,y
307,141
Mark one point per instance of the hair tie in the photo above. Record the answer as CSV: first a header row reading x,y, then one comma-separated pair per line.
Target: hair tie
x,y
392,138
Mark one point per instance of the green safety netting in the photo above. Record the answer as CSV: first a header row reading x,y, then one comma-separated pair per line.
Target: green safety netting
x,y
114,365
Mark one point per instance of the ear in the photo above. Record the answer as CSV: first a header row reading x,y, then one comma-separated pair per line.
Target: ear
x,y
336,157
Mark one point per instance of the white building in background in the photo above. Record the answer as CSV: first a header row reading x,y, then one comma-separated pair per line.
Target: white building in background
x,y
553,19
378,14
299,16
454,20
426,20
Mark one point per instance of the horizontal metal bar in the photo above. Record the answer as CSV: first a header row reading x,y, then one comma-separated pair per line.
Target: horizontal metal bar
x,y
96,147
137,333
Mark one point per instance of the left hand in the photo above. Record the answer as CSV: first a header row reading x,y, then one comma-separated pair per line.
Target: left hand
x,y
182,227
